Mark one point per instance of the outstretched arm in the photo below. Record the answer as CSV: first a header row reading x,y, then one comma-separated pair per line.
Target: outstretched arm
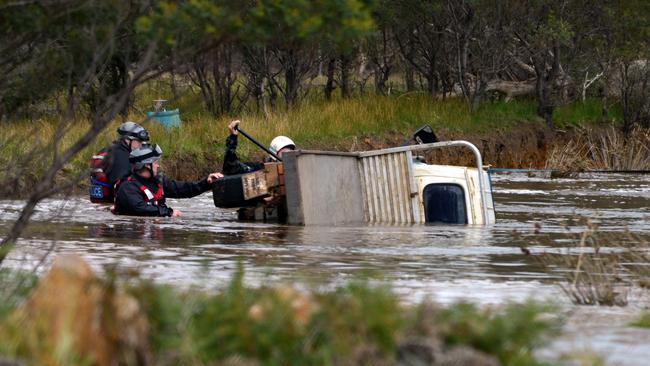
x,y
179,189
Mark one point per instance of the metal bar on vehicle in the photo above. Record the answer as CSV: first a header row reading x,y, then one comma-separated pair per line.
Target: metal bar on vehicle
x,y
380,189
375,191
385,180
364,191
394,186
398,187
413,191
404,189
438,145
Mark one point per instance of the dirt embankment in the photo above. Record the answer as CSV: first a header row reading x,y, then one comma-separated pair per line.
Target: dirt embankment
x,y
512,149
532,146
526,148
523,148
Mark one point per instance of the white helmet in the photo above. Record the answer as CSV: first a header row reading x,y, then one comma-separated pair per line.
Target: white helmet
x,y
280,142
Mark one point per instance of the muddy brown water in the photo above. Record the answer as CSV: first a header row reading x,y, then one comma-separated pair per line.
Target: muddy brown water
x,y
441,262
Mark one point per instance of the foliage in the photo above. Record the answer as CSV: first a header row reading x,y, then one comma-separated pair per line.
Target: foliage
x,y
282,325
511,334
66,48
268,49
358,323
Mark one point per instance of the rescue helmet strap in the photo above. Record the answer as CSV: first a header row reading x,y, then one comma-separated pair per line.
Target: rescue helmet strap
x,y
149,166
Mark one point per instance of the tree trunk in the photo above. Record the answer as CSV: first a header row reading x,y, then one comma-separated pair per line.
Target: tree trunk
x,y
432,80
345,75
172,71
477,95
605,110
381,76
291,78
223,78
626,96
70,103
545,80
329,86
408,77
270,81
544,105
204,86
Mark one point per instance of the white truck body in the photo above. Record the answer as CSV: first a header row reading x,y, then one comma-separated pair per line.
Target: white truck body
x,y
385,186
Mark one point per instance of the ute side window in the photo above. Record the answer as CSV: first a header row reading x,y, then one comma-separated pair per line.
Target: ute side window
x,y
445,203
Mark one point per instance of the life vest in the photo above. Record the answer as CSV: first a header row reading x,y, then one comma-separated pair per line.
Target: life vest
x,y
101,191
151,198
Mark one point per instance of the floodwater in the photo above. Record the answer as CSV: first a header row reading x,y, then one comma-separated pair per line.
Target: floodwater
x,y
487,265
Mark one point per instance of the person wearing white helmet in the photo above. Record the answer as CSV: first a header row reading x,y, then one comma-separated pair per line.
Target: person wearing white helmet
x,y
111,163
280,144
143,192
231,163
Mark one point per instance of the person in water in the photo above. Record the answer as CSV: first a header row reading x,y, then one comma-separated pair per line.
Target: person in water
x,y
144,191
111,163
231,163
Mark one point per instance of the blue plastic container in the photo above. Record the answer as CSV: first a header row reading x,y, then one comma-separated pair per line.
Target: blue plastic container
x,y
166,118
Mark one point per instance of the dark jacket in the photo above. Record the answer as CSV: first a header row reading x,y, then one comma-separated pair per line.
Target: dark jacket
x,y
231,163
131,199
118,165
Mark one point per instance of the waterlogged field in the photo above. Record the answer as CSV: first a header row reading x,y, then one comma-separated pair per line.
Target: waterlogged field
x,y
537,217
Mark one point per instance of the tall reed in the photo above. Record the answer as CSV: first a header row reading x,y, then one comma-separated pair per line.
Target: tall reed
x,y
601,267
603,150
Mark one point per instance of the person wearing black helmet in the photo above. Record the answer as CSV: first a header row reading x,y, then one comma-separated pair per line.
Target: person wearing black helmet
x,y
144,191
111,163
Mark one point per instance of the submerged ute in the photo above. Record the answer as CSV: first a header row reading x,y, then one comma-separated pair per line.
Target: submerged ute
x,y
389,186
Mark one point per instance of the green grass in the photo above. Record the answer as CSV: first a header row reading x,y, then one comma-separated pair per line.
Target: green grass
x,y
585,113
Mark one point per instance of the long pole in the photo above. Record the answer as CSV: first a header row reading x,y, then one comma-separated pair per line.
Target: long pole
x,y
258,143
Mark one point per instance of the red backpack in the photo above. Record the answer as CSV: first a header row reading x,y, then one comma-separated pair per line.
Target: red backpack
x,y
101,190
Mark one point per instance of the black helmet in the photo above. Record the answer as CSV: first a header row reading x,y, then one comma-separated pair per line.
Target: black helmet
x,y
133,131
145,154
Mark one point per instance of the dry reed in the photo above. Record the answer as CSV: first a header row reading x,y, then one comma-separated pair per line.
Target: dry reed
x,y
602,267
602,150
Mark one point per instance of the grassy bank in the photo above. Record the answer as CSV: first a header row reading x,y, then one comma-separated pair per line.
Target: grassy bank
x,y
357,124
356,324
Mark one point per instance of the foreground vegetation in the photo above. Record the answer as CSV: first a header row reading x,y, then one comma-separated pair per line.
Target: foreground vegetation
x,y
139,322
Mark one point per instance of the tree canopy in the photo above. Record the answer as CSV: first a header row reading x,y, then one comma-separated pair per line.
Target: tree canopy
x,y
70,55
